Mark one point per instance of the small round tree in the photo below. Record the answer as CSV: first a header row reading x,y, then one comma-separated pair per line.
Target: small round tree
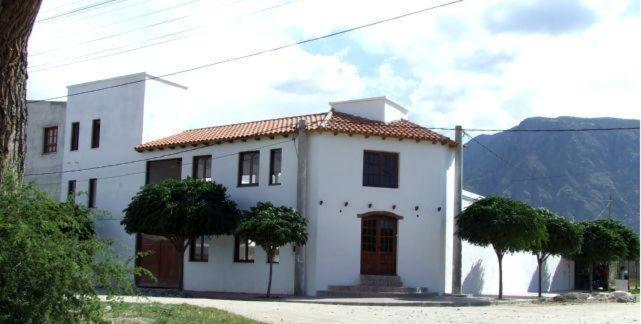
x,y
602,242
272,227
564,238
508,225
180,210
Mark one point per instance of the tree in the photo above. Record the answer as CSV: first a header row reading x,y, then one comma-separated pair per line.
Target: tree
x,y
564,238
51,261
508,225
16,21
602,243
272,227
180,210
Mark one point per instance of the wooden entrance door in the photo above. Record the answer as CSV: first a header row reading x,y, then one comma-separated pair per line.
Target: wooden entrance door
x,y
378,245
161,260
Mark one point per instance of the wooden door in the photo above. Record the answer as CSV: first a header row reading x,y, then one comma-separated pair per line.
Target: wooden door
x,y
378,245
161,260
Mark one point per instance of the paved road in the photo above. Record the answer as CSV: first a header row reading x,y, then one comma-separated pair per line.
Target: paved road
x,y
289,312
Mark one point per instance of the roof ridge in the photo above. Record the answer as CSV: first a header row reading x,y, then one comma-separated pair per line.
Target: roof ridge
x,y
254,121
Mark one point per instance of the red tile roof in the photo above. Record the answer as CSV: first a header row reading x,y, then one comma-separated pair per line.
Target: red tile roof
x,y
332,121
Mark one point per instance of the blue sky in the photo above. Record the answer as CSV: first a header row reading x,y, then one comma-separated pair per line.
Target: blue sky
x,y
482,64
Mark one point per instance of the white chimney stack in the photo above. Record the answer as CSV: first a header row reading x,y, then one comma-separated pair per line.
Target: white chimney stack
x,y
378,108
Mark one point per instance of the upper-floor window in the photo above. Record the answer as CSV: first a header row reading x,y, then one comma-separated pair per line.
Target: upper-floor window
x,y
380,169
95,133
75,135
199,249
50,140
244,249
248,166
202,167
275,166
91,197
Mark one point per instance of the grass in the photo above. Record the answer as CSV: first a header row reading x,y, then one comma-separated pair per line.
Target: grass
x,y
121,312
634,291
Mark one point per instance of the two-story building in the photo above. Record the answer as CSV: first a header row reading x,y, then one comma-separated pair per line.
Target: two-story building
x,y
378,190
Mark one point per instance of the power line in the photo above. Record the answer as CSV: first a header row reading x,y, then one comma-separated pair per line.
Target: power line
x,y
261,52
490,150
78,10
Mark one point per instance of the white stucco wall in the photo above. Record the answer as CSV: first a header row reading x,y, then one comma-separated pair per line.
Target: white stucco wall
x,y
336,170
377,108
480,269
40,115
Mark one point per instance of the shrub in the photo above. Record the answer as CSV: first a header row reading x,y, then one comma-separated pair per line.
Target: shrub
x,y
50,260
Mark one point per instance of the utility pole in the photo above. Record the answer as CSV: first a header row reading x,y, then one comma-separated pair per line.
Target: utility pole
x,y
610,206
301,206
458,207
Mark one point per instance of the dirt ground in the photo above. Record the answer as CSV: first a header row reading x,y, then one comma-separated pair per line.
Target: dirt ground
x,y
289,312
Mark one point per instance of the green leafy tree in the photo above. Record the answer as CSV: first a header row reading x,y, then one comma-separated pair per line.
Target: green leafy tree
x,y
602,243
50,260
508,225
180,210
564,239
272,227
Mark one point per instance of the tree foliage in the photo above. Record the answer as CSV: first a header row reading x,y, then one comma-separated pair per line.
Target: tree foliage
x,y
50,260
508,225
181,208
272,227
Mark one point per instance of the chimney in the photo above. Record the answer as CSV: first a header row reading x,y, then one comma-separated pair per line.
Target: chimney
x,y
378,108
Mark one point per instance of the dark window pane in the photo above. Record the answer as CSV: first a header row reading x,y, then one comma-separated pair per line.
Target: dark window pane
x,y
75,135
95,133
202,167
275,166
71,188
93,183
248,167
50,143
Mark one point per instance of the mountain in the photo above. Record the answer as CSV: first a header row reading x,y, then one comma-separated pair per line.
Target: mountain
x,y
573,174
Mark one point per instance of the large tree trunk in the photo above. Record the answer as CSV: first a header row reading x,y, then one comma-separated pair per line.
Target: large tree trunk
x,y
16,21
270,257
590,276
539,260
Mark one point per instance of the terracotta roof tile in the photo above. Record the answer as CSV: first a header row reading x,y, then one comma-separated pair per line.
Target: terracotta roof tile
x,y
330,121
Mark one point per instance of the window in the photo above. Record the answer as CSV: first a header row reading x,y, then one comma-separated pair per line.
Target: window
x,y
275,166
380,169
202,167
244,249
91,198
95,133
276,256
75,135
71,188
51,140
199,249
248,168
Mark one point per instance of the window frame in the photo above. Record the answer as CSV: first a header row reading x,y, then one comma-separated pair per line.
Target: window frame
x,y
194,171
204,252
237,241
75,136
380,175
71,188
91,195
95,133
48,148
251,169
271,166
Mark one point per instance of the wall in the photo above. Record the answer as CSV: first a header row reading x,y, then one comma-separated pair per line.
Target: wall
x,y
336,168
480,274
40,115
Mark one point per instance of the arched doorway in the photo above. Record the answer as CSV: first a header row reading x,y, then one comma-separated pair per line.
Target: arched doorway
x,y
378,243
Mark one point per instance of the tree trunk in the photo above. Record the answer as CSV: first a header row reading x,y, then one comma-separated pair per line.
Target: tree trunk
x,y
16,21
181,245
539,261
590,276
270,257
499,255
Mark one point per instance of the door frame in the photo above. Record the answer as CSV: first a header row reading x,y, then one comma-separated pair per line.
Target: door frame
x,y
381,215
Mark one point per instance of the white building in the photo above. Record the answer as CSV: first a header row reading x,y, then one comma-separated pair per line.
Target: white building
x,y
379,191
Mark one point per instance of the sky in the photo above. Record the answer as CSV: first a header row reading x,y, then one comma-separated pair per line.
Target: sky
x,y
476,63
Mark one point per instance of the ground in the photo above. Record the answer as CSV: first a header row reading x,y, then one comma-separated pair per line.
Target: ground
x,y
291,312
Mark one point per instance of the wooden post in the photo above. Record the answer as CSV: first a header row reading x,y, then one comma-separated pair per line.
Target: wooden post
x,y
458,207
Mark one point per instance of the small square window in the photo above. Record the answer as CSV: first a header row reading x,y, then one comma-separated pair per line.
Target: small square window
x,y
199,249
244,249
